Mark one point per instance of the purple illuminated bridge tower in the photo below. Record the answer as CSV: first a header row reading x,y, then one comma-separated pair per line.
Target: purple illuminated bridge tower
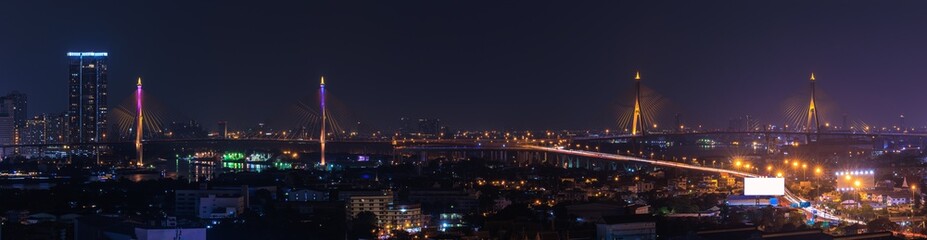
x,y
138,122
322,110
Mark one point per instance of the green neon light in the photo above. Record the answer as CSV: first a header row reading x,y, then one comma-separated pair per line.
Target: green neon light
x,y
233,156
283,165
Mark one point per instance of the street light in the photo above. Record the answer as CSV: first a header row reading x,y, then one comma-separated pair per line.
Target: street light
x,y
804,170
913,189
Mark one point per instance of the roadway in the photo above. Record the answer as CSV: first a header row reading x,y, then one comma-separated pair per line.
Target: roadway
x,y
791,197
865,134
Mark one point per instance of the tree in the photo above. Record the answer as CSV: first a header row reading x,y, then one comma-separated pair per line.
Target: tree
x,y
725,214
796,219
866,212
681,205
880,225
400,234
847,196
364,226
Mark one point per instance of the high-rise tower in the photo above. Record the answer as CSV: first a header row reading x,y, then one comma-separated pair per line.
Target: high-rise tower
x,y
323,113
637,123
7,124
814,123
17,110
87,97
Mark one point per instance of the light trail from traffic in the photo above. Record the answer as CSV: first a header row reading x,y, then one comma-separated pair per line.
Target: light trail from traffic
x,y
791,197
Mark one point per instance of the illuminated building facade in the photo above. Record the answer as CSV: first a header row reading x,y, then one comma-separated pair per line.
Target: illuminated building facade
x,y
6,134
43,129
36,130
14,105
213,203
429,127
87,96
390,215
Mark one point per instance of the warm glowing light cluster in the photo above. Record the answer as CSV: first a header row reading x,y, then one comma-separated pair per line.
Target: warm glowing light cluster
x,y
854,180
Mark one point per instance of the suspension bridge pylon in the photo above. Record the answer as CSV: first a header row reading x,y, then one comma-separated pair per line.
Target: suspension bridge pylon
x,y
323,113
814,119
138,123
637,121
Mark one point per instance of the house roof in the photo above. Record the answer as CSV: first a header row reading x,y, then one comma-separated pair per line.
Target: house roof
x,y
629,219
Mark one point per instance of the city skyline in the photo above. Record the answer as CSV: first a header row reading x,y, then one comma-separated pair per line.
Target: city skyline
x,y
420,119
585,75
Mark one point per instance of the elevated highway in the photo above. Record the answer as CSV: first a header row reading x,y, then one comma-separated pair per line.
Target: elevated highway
x,y
791,197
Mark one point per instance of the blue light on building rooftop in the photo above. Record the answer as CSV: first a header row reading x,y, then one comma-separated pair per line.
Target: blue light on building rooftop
x,y
88,54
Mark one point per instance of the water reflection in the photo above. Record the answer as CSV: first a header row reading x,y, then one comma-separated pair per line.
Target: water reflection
x,y
203,169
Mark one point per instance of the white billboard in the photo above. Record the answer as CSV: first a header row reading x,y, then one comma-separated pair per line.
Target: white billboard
x,y
764,186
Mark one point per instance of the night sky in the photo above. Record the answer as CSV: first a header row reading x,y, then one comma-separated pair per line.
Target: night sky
x,y
480,64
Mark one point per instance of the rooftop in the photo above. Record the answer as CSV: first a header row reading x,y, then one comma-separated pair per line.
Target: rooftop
x,y
88,54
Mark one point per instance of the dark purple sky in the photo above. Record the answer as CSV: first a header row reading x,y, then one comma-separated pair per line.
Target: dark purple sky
x,y
478,64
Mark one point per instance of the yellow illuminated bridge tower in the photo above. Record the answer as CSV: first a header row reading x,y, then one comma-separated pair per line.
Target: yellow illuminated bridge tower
x,y
637,122
813,116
